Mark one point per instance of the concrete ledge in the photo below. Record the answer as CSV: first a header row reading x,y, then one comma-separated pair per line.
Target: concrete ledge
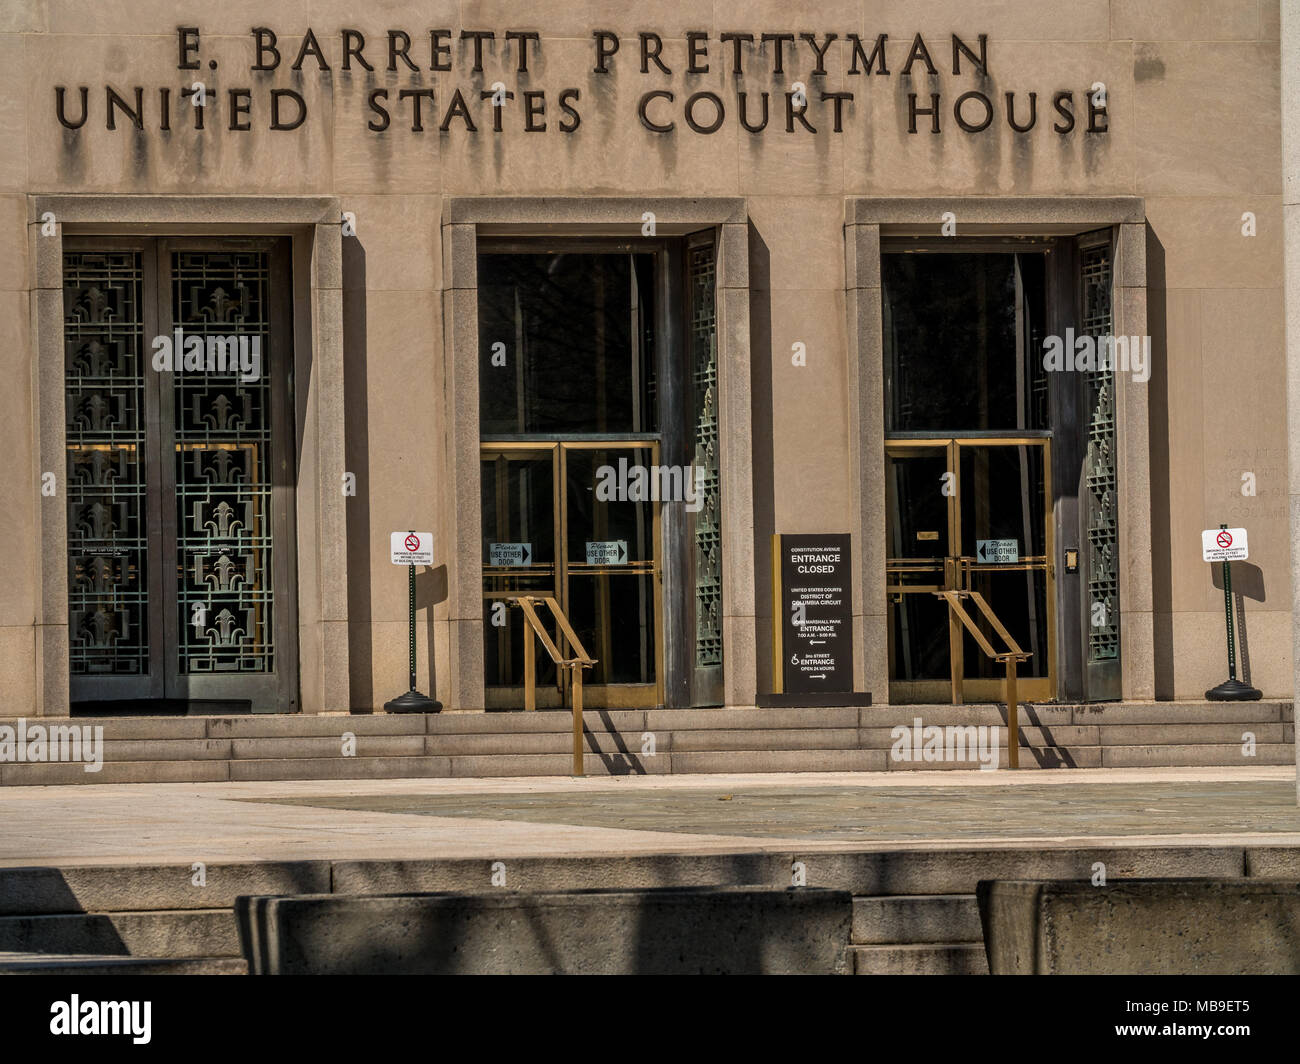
x,y
673,931
156,210
1232,926
131,887
870,871
672,214
916,918
85,964
563,873
939,958
160,933
1036,211
1273,862
957,871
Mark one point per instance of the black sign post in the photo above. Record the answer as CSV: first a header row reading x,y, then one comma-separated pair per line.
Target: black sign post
x,y
814,623
1232,689
413,701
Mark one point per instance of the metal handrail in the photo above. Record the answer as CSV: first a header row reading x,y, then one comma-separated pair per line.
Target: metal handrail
x,y
1010,658
581,660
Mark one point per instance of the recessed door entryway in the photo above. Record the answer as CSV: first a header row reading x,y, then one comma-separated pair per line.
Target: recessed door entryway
x,y
180,473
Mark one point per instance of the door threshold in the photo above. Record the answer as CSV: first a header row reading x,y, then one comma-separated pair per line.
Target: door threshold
x,y
164,707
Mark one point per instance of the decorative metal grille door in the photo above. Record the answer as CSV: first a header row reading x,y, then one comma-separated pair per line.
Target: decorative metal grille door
x,y
706,525
1100,505
112,631
180,484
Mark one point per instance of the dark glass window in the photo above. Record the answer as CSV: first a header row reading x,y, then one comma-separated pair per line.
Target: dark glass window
x,y
566,343
963,341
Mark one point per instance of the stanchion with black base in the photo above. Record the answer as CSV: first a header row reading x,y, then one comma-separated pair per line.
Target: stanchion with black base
x,y
1232,689
413,701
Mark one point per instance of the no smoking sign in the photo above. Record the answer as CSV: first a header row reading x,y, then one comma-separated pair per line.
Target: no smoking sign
x,y
1224,545
411,548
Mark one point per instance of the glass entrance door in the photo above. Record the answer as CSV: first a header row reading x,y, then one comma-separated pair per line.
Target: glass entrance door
x,y
968,514
578,520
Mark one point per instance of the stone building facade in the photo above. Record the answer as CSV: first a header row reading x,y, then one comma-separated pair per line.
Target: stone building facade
x,y
996,294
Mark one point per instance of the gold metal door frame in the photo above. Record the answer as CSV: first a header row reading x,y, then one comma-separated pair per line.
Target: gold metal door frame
x,y
611,696
953,572
510,578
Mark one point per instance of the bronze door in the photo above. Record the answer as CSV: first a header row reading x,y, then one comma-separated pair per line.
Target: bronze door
x,y
180,477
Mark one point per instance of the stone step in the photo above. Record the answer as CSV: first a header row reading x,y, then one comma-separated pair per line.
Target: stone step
x,y
612,763
331,725
886,717
27,774
916,918
1030,735
121,729
610,757
322,747
1191,734
1030,757
781,761
1181,712
715,719
534,742
155,933
253,725
166,749
340,768
539,720
1204,755
939,958
689,740
92,964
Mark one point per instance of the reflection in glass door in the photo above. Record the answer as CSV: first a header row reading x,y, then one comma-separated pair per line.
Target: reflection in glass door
x,y
578,520
968,514
519,520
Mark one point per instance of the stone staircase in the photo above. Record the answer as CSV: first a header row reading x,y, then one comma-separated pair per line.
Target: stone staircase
x,y
914,910
920,934
197,749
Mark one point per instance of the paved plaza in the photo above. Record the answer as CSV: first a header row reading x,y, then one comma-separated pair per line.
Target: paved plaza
x,y
525,817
